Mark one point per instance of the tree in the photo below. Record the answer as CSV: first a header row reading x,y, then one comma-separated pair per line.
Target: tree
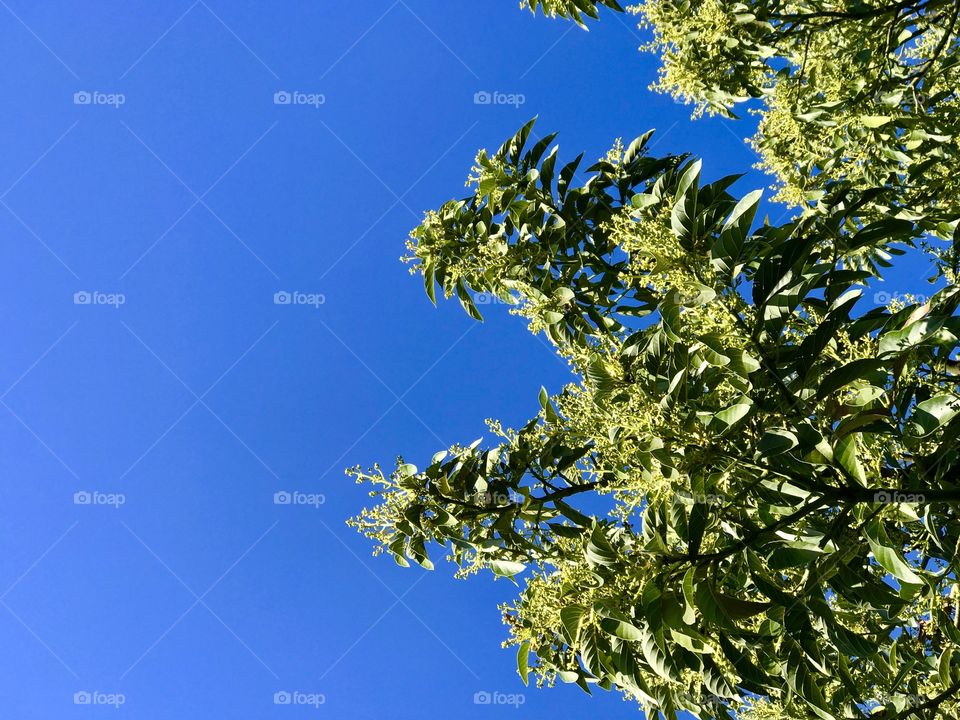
x,y
572,9
747,502
859,91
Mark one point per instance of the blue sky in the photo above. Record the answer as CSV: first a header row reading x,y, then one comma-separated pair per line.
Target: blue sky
x,y
148,168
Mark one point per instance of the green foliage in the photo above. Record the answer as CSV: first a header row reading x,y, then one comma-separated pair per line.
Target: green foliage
x,y
864,92
782,463
778,461
572,9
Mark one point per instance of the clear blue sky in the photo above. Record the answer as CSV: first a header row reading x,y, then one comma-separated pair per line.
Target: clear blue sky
x,y
177,185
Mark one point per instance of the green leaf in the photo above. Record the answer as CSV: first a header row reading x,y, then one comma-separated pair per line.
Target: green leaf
x,y
656,656
875,121
776,441
721,609
636,149
716,682
696,525
737,609
933,413
852,643
683,216
599,551
787,557
430,280
725,254
846,374
689,583
742,363
943,667
727,418
889,557
882,232
506,568
467,302
845,455
689,639
621,629
549,412
643,200
741,217
571,616
602,379
417,552
523,660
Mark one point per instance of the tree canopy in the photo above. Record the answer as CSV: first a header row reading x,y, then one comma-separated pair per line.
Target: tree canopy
x,y
858,91
745,504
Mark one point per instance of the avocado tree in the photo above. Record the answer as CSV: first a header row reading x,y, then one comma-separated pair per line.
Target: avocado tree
x,y
860,91
745,503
